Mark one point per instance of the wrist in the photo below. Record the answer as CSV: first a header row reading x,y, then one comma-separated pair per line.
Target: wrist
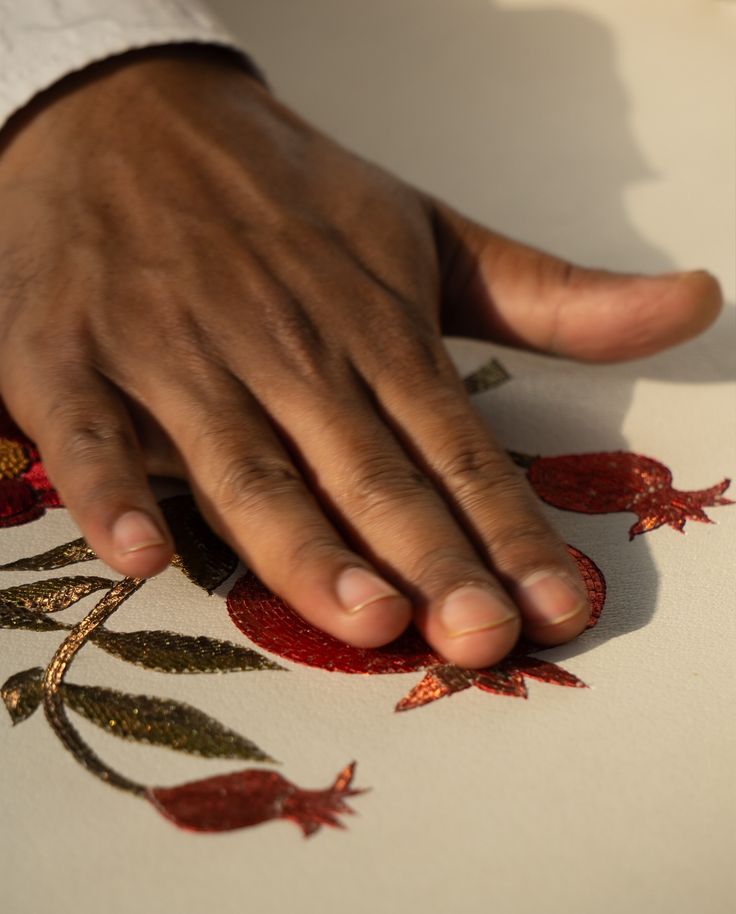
x,y
113,84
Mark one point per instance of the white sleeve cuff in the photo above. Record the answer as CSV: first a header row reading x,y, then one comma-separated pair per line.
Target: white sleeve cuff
x,y
44,40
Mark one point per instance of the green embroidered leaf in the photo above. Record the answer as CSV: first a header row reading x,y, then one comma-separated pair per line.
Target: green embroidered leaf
x,y
160,722
54,594
201,555
491,374
58,557
170,652
22,693
17,617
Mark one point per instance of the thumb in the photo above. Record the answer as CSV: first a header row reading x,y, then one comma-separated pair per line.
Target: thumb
x,y
498,289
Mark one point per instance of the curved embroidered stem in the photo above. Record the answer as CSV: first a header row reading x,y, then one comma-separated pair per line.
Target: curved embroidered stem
x,y
54,676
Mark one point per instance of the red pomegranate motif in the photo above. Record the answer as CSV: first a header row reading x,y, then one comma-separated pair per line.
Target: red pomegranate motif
x,y
619,481
25,491
246,798
271,624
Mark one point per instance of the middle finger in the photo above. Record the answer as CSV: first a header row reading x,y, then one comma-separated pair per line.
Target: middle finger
x,y
392,513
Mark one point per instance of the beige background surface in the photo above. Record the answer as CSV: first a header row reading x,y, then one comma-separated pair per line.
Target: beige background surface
x,y
605,132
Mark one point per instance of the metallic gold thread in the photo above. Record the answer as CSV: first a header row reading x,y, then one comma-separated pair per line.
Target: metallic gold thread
x,y
13,459
200,554
58,557
54,677
52,595
159,722
171,652
491,374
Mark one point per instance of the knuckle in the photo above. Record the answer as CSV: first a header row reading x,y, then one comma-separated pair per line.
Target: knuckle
x,y
411,357
58,349
315,551
380,484
521,544
250,482
107,489
440,569
87,439
478,478
469,469
299,341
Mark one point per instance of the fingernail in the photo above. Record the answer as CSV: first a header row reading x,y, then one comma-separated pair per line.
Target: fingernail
x,y
474,609
550,598
134,531
357,588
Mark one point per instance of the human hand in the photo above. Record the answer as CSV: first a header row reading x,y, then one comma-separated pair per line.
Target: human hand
x,y
194,282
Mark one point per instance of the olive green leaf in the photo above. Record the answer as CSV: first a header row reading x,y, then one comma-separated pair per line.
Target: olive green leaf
x,y
201,555
18,617
22,693
54,594
170,652
58,557
489,375
160,722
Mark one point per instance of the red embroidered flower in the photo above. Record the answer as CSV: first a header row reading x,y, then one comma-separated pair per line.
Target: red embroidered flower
x,y
25,491
275,627
619,481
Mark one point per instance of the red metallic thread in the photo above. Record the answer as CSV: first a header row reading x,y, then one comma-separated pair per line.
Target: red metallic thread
x,y
18,503
250,797
275,627
23,497
620,481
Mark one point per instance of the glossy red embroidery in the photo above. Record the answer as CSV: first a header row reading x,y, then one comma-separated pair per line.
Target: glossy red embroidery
x,y
620,481
507,678
246,798
274,626
25,491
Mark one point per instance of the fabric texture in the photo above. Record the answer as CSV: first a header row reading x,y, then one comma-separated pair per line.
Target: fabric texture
x,y
43,41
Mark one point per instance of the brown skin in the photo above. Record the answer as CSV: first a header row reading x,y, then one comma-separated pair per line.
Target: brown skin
x,y
195,282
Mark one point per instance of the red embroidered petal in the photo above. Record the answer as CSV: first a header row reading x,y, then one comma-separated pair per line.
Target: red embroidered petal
x,y
713,496
275,627
250,797
595,583
49,498
311,809
46,494
437,684
653,522
674,508
545,671
18,503
503,679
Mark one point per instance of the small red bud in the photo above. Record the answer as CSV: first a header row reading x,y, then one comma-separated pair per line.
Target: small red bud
x,y
246,798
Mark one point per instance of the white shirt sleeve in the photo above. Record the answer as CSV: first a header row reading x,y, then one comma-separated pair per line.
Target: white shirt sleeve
x,y
42,41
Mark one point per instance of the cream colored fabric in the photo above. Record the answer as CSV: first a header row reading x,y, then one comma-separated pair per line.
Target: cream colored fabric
x,y
43,40
604,131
